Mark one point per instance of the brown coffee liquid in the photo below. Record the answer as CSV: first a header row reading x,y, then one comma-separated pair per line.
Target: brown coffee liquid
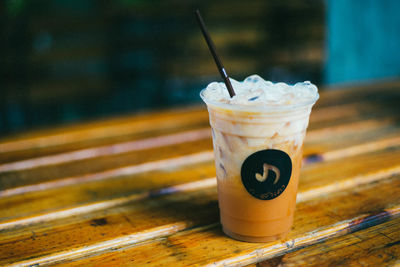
x,y
247,218
238,135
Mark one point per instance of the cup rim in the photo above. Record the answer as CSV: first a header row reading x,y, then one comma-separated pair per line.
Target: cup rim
x,y
258,108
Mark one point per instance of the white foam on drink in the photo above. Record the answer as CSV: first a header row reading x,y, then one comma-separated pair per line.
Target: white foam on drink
x,y
255,91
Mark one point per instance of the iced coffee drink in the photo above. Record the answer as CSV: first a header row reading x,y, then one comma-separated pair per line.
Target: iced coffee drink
x,y
258,140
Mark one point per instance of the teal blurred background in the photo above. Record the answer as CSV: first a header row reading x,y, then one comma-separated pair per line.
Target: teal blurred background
x,y
66,61
363,40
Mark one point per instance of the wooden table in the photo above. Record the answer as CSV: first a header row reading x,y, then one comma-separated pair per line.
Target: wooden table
x,y
141,190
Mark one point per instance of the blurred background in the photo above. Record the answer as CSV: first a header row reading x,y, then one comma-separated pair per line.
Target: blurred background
x,y
66,61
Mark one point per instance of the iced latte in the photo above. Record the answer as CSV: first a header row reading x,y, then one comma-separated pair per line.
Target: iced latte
x,y
258,140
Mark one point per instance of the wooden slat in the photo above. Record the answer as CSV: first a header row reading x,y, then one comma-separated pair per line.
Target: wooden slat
x,y
185,168
88,166
355,101
122,186
156,197
68,138
316,220
312,185
375,246
120,148
317,140
321,119
366,127
131,172
144,121
347,93
123,153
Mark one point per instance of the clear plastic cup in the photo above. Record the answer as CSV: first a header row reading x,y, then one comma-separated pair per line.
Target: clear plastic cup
x,y
258,155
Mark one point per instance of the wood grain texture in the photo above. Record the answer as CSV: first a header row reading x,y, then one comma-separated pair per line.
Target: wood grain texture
x,y
75,137
315,221
337,104
141,190
162,211
127,183
378,245
81,162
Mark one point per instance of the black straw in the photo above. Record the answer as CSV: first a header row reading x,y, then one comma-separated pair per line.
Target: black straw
x,y
214,53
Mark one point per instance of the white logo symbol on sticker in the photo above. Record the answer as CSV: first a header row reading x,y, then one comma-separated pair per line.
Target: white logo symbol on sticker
x,y
264,176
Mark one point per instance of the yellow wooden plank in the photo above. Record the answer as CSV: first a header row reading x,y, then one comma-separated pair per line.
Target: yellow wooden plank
x,y
97,159
86,205
316,130
71,191
317,180
315,221
356,100
102,132
122,185
332,139
125,130
83,167
375,246
354,92
108,150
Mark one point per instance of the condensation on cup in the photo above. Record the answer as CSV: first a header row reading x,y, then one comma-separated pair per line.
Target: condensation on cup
x,y
258,141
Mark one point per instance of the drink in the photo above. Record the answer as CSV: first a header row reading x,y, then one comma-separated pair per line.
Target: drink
x,y
258,140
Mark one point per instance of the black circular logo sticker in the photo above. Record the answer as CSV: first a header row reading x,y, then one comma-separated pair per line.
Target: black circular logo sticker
x,y
266,173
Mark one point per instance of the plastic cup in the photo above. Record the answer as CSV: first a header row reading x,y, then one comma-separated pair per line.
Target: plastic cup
x,y
258,155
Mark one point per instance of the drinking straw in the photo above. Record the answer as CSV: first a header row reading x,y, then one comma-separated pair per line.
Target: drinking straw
x,y
213,51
